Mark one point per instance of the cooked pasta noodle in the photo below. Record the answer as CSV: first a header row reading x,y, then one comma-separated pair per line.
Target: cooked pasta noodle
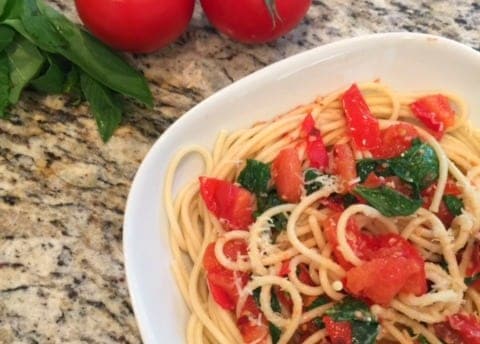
x,y
447,250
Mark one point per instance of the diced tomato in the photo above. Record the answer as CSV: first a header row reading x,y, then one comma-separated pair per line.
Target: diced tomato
x,y
304,275
363,127
284,298
435,113
395,264
316,150
393,182
339,332
362,243
231,204
446,334
467,326
285,268
474,267
287,175
443,213
396,139
344,165
333,202
253,331
222,282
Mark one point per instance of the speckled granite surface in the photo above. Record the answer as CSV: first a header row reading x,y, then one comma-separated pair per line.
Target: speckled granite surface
x,y
62,192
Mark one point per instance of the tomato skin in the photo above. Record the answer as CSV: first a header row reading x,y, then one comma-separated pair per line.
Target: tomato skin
x,y
443,213
287,175
396,139
474,267
252,332
344,164
140,26
249,21
316,150
231,204
363,127
467,326
435,112
339,332
220,280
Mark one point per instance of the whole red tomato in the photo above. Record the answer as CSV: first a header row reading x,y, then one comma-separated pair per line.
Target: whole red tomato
x,y
136,25
255,21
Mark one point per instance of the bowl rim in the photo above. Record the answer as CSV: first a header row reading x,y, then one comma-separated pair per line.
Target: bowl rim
x,y
140,316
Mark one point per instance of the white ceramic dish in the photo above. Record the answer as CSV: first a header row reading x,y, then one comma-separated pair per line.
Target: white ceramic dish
x,y
405,61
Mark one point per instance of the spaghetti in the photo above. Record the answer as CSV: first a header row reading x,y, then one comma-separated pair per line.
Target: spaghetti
x,y
374,240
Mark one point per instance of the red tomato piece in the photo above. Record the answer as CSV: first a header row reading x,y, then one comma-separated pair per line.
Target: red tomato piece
x,y
231,204
333,202
287,175
304,275
285,268
445,333
316,150
396,139
443,213
255,21
339,332
363,127
435,113
467,326
136,25
344,165
253,331
222,282
474,267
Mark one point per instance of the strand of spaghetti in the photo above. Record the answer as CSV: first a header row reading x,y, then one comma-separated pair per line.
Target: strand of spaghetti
x,y
292,236
168,194
239,264
302,287
398,335
316,312
317,337
325,281
466,257
430,298
343,244
265,306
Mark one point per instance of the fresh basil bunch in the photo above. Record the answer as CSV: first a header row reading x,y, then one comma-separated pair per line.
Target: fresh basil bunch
x,y
42,49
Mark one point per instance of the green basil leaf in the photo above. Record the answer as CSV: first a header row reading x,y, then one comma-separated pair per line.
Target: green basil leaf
x,y
472,279
318,322
350,309
25,61
364,332
319,301
275,333
311,184
2,6
11,9
6,36
255,177
418,166
265,202
349,199
97,60
388,201
365,167
106,108
72,82
53,80
454,204
4,84
422,340
42,32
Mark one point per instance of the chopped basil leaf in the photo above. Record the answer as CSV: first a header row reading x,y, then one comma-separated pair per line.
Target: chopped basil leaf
x,y
349,199
388,201
318,322
256,295
255,177
418,166
274,303
454,204
365,167
319,301
472,279
422,340
267,201
275,332
365,327
311,184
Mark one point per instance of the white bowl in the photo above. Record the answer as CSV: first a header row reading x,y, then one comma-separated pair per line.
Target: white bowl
x,y
405,61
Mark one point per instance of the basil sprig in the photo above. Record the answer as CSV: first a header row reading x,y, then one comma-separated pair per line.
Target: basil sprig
x,y
47,52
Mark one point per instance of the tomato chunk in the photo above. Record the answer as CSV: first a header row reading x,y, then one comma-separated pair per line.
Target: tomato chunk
x,y
232,205
221,281
467,326
396,139
287,175
253,330
435,112
344,165
363,127
474,267
316,150
443,213
339,332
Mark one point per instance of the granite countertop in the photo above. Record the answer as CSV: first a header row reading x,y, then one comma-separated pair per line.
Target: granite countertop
x,y
63,192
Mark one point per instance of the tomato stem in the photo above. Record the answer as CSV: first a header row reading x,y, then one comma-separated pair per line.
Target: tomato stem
x,y
272,9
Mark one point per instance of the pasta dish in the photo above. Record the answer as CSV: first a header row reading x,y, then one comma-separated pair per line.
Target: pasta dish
x,y
352,219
